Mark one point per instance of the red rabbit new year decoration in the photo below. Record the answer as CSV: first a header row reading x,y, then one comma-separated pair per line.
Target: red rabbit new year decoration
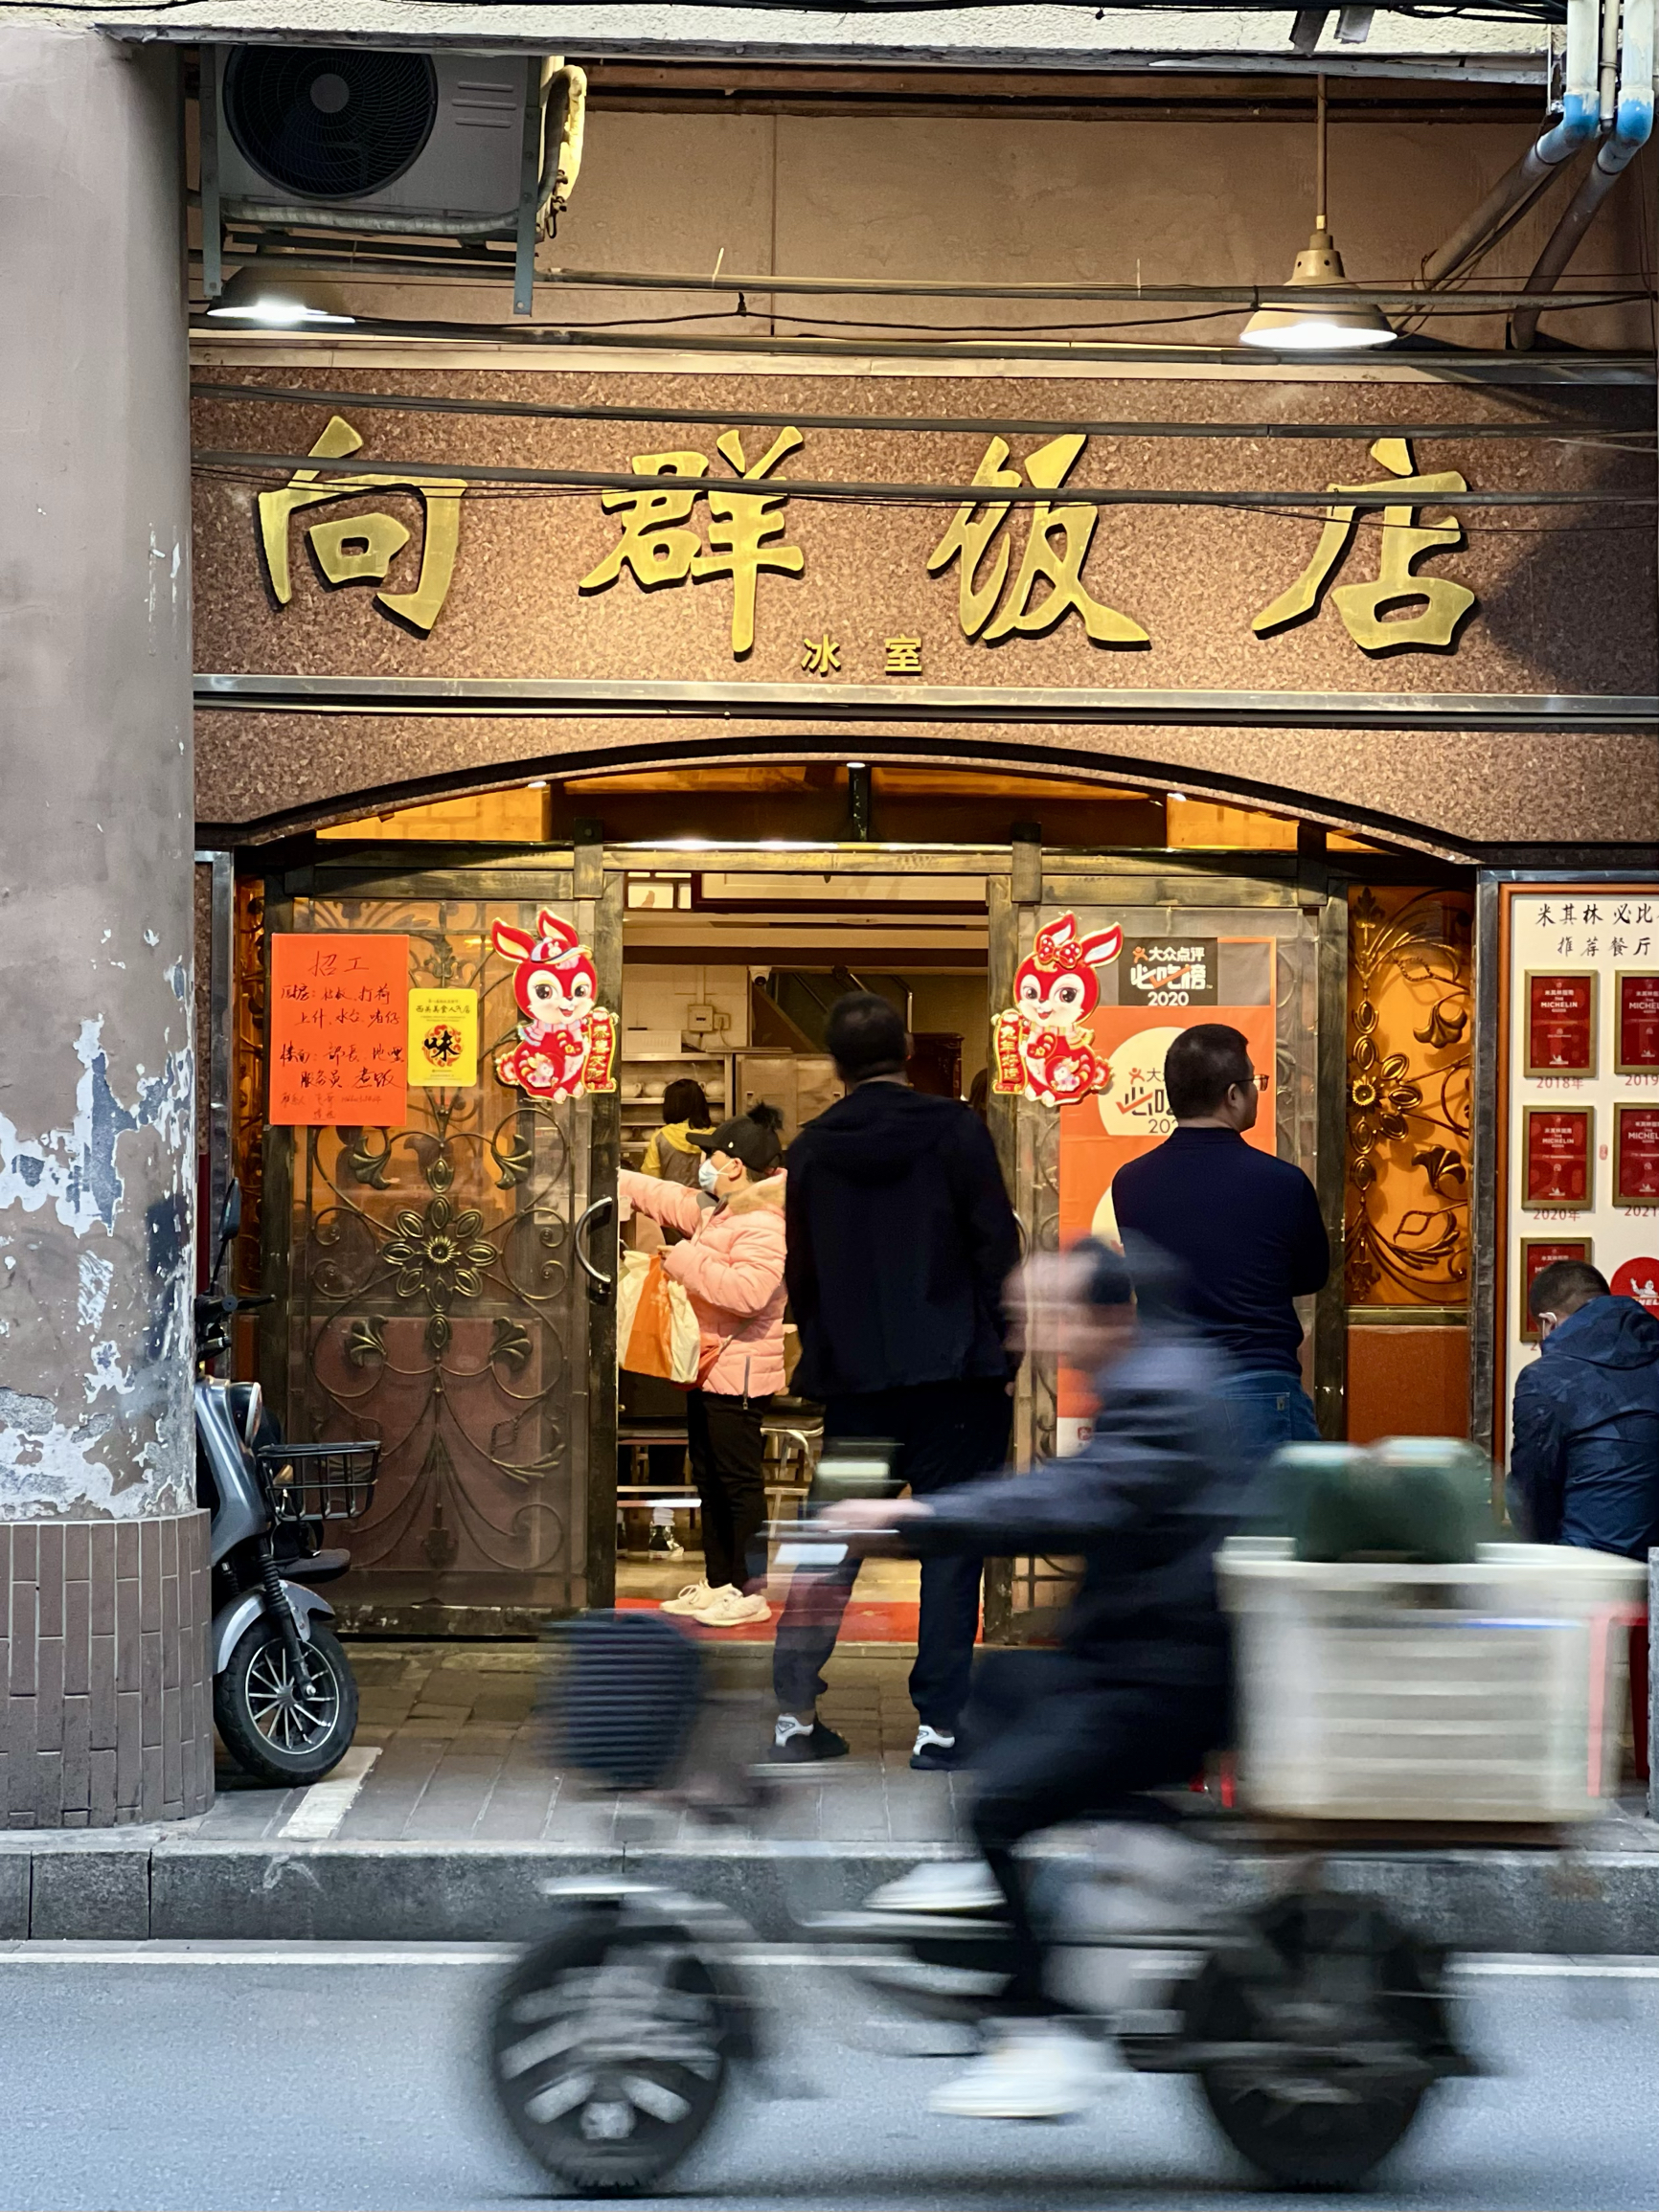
x,y
1042,1047
567,1040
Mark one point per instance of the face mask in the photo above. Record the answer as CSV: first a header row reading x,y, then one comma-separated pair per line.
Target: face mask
x,y
708,1175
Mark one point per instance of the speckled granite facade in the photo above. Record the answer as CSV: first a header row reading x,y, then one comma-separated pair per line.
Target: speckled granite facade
x,y
1565,596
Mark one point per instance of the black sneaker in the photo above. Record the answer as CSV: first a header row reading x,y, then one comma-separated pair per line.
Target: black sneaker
x,y
808,1745
934,1753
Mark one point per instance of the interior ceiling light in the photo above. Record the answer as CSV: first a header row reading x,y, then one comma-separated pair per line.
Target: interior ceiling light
x,y
1334,320
278,303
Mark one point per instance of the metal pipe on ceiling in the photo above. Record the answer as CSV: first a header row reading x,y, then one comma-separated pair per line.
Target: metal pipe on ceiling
x,y
1632,121
1577,124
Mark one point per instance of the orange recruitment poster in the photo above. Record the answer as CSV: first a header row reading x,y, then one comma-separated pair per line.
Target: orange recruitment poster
x,y
339,1031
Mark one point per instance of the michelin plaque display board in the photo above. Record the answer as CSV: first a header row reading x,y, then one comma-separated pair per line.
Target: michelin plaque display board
x,y
1578,1098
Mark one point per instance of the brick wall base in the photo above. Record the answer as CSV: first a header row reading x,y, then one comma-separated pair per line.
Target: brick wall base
x,y
106,1697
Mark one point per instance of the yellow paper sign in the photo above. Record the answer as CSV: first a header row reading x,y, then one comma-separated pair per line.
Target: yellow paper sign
x,y
444,1039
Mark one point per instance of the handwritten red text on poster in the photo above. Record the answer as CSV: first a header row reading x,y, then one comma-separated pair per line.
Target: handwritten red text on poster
x,y
339,1031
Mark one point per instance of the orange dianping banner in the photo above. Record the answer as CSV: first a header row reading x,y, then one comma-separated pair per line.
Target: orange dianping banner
x,y
1099,1134
339,1029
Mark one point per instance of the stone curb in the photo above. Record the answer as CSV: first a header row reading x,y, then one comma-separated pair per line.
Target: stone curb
x,y
147,1884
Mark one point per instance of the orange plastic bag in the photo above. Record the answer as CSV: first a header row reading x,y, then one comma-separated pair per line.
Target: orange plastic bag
x,y
657,1331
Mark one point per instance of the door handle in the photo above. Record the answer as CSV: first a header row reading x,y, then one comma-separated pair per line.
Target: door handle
x,y
598,1210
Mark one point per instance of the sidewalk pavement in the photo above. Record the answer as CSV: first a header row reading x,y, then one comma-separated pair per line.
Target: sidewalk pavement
x,y
446,1820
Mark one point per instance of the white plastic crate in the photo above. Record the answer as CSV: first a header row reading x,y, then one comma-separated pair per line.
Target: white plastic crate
x,y
1489,1691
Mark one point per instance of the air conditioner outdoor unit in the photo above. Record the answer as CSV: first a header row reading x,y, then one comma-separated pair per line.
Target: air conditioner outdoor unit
x,y
387,141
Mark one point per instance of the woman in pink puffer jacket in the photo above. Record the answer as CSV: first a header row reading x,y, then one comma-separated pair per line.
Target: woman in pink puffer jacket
x,y
731,1265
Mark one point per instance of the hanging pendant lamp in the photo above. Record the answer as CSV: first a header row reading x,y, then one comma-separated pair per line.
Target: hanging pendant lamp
x,y
1334,319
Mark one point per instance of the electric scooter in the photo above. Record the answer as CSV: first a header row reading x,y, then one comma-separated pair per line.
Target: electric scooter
x,y
1314,2024
284,1697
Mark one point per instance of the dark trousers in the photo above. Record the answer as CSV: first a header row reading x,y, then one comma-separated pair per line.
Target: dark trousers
x,y
945,1433
728,1451
1052,1738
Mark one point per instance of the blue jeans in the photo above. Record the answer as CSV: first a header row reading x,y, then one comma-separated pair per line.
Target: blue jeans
x,y
1266,1408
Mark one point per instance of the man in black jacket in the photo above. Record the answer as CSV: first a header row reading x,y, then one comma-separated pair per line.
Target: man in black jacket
x,y
1138,1693
1584,1467
900,1239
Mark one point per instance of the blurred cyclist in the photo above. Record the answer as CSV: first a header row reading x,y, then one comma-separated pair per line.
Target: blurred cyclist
x,y
1138,1693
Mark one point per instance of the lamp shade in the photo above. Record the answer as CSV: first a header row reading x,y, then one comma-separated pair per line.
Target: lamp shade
x,y
280,303
1334,319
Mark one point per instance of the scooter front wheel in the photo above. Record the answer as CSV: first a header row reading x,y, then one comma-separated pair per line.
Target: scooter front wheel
x,y
1322,2036
286,1726
611,2047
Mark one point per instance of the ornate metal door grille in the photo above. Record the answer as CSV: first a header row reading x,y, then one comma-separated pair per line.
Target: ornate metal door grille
x,y
430,1292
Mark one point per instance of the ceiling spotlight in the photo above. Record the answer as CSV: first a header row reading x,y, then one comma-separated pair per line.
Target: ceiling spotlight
x,y
1334,319
278,303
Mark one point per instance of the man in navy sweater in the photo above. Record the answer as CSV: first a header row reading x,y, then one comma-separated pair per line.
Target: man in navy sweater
x,y
1244,1227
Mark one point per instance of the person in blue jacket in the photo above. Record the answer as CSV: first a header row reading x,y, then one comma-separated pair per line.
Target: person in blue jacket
x,y
1585,1462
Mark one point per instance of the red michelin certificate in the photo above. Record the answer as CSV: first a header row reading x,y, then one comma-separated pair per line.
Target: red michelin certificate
x,y
1636,1156
1638,1027
1539,1252
1559,1148
1561,1024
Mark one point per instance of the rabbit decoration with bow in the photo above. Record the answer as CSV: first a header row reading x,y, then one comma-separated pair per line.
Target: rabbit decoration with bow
x,y
1042,1046
567,1040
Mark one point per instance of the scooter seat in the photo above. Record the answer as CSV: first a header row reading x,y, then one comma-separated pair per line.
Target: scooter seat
x,y
321,1566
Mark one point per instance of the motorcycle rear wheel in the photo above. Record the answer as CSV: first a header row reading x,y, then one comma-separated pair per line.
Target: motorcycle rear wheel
x,y
610,2049
1347,2012
270,1725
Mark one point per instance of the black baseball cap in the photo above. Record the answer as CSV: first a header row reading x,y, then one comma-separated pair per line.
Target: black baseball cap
x,y
751,1137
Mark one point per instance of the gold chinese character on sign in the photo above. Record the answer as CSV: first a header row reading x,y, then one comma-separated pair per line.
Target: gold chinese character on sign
x,y
903,656
361,548
659,549
1442,604
1048,585
821,656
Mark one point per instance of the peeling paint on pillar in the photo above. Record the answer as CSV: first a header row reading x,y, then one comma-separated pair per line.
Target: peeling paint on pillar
x,y
121,1452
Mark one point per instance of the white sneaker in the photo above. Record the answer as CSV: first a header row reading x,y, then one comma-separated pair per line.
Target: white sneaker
x,y
731,1609
696,1599
1035,2070
944,1886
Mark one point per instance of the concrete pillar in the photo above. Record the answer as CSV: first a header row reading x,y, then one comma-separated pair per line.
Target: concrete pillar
x,y
103,1698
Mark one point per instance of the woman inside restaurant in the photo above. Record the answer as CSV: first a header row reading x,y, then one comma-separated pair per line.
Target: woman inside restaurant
x,y
731,1264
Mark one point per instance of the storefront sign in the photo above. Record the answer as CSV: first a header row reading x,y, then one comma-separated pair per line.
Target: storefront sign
x,y
764,552
1539,1252
338,1031
1041,1047
361,548
1559,1157
567,1040
1637,1052
1560,1015
1636,1156
444,1039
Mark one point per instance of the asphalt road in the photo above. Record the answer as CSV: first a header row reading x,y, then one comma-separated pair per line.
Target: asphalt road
x,y
326,2081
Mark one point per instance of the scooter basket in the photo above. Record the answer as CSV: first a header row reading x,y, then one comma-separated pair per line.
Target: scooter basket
x,y
320,1482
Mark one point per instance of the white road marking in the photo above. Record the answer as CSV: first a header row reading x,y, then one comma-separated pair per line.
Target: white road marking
x,y
1498,1967
325,1804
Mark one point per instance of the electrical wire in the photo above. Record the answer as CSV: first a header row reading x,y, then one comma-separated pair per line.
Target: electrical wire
x,y
254,470
739,417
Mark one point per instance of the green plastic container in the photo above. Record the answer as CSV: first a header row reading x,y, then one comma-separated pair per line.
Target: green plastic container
x,y
1417,1499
